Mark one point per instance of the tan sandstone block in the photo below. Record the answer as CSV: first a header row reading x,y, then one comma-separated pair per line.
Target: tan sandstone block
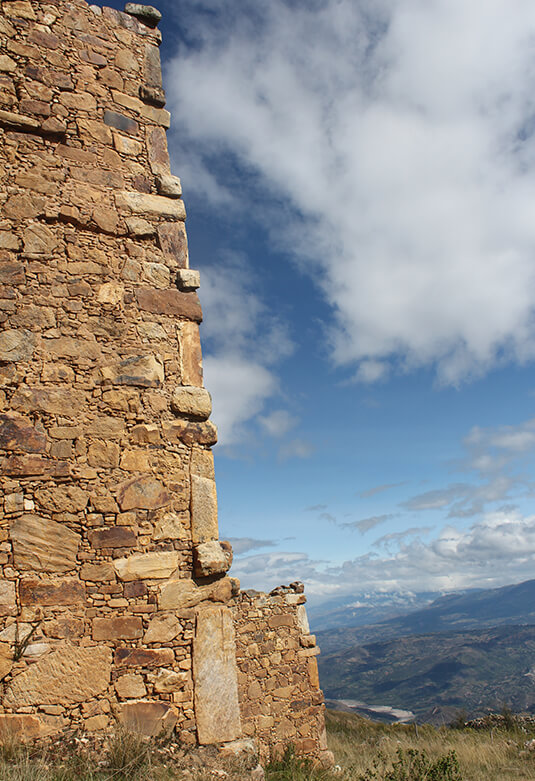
x,y
192,401
144,493
191,371
148,718
65,676
210,558
43,545
203,509
151,205
183,594
69,591
8,599
215,676
162,629
130,685
18,433
147,566
98,572
117,628
103,454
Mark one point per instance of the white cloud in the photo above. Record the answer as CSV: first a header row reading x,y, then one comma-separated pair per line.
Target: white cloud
x,y
296,448
398,139
278,422
243,343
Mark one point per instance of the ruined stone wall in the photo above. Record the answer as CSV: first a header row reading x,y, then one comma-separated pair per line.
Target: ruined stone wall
x,y
281,702
114,598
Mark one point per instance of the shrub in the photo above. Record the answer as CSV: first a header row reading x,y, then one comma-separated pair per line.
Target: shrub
x,y
414,765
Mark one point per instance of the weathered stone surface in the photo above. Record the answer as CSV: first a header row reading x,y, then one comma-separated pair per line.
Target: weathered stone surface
x,y
130,685
147,13
153,95
162,629
152,67
117,628
103,454
6,660
64,628
169,681
169,185
188,279
210,559
17,345
43,545
190,432
69,591
182,594
8,599
55,401
22,726
203,509
39,240
144,371
215,676
35,466
114,537
173,243
148,718
145,493
62,498
67,675
147,566
120,122
144,657
191,371
11,119
18,433
139,227
9,241
12,273
192,401
98,572
170,302
153,205
169,527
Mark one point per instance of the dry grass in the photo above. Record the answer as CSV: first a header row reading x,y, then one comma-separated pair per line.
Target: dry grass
x,y
358,744
498,755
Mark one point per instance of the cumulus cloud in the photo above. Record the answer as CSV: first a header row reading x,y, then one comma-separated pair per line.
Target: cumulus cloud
x,y
296,448
365,524
398,141
278,422
241,545
244,341
497,549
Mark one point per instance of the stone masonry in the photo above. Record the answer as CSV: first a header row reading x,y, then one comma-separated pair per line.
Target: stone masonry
x,y
115,602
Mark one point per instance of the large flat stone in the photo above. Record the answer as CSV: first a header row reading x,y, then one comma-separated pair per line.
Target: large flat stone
x,y
69,591
191,372
183,593
147,566
144,657
215,677
55,401
18,344
171,302
204,525
191,401
142,493
162,629
143,371
114,537
173,242
190,432
34,465
151,205
148,718
18,433
65,676
42,545
8,598
6,660
117,628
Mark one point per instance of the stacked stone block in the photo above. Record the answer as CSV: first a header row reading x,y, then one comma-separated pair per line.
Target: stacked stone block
x,y
114,598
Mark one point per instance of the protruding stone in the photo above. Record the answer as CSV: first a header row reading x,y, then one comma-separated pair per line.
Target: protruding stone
x,y
155,96
147,566
215,676
170,302
192,401
43,545
13,120
67,675
169,185
188,279
17,345
183,594
144,371
190,432
156,205
148,718
146,13
210,559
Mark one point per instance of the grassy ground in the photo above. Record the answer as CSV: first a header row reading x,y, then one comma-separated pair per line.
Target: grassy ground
x,y
364,751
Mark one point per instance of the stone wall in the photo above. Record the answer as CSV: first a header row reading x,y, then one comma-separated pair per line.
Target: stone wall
x,y
114,598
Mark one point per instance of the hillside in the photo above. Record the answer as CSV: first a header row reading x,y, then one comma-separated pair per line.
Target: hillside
x,y
471,610
437,675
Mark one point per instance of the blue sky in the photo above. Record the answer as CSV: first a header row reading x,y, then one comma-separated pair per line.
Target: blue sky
x,y
359,177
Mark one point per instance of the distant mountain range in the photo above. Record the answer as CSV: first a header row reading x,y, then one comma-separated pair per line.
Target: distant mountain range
x,y
473,651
